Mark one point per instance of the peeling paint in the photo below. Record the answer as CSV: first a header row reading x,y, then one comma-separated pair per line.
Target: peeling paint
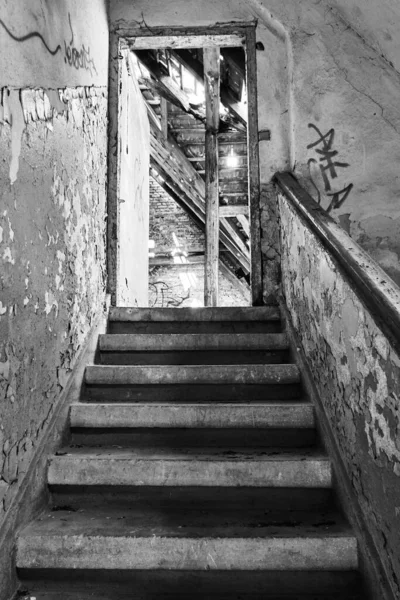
x,y
52,257
356,371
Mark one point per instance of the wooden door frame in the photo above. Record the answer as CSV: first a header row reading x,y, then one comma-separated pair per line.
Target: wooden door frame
x,y
240,34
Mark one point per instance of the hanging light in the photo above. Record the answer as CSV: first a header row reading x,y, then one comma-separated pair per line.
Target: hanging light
x,y
232,159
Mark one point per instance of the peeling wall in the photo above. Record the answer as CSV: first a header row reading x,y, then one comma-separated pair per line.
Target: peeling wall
x,y
321,70
53,144
357,374
52,257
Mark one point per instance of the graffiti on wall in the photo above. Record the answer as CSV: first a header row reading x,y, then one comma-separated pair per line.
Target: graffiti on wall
x,y
79,58
162,295
328,165
74,56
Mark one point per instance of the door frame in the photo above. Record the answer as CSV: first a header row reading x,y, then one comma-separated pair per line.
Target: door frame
x,y
238,34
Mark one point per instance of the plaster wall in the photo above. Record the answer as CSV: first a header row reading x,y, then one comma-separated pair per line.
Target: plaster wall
x,y
53,142
53,44
133,191
317,74
357,374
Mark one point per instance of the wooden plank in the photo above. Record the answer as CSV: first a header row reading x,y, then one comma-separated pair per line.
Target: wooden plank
x,y
186,41
212,92
164,117
233,210
244,223
253,162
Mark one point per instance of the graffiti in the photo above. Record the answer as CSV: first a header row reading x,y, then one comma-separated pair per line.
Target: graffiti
x,y
164,296
78,58
29,36
328,166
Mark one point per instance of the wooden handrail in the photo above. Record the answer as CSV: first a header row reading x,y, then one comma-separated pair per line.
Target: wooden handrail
x,y
377,290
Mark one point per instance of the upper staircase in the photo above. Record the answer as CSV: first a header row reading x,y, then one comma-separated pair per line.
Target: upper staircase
x,y
194,470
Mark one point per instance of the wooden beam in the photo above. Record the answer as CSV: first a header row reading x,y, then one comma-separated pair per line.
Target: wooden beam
x,y
184,41
184,200
195,67
212,92
161,83
164,117
170,158
233,210
254,175
243,220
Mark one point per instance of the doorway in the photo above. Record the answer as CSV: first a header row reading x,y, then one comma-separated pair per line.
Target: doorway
x,y
199,90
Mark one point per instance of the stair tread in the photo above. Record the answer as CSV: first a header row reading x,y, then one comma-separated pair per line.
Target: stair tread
x,y
193,454
193,374
167,414
192,341
139,520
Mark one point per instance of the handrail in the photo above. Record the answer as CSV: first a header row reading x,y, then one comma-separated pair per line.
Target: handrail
x,y
378,291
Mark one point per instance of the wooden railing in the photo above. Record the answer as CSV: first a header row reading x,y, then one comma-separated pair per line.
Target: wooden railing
x,y
377,290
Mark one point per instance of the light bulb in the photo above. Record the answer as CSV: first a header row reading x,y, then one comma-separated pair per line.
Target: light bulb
x,y
232,160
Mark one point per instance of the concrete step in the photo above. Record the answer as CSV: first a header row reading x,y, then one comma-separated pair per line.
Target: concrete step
x,y
82,584
216,383
266,467
205,425
195,320
233,416
193,374
110,538
197,348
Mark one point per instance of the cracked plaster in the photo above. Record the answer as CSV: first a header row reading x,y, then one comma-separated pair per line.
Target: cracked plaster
x,y
52,249
357,374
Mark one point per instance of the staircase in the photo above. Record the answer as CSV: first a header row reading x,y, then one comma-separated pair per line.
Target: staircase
x,y
194,470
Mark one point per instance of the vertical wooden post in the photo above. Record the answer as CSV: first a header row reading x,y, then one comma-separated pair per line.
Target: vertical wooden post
x,y
164,117
253,166
212,88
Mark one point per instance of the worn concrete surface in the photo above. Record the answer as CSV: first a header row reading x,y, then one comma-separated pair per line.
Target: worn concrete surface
x,y
193,374
191,342
208,467
155,552
357,374
300,415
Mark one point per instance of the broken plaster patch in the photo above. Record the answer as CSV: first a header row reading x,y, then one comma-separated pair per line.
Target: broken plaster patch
x,y
17,129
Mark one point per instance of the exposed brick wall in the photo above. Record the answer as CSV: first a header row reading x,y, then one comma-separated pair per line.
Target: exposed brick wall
x,y
167,217
166,287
